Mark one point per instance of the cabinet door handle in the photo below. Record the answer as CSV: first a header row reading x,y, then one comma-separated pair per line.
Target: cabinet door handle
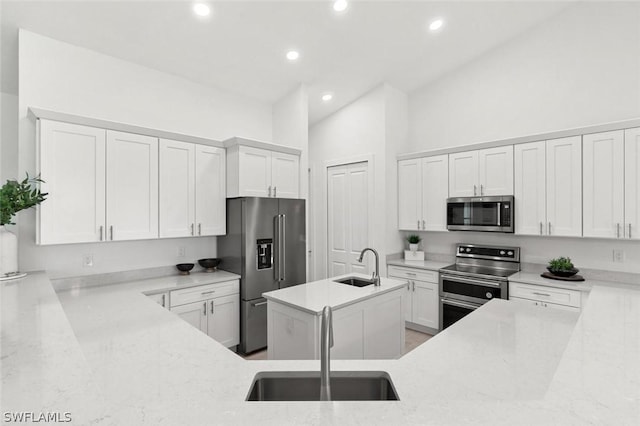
x,y
541,294
617,230
418,224
549,232
207,292
481,189
163,300
274,191
423,227
629,230
408,285
205,308
102,232
212,306
413,283
111,232
269,190
540,228
474,190
192,230
199,229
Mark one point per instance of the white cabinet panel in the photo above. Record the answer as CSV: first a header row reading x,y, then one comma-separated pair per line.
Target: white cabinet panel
x,y
426,304
161,299
210,190
495,166
348,337
255,172
530,191
564,186
72,164
463,174
409,194
383,336
132,186
177,188
435,190
193,313
603,184
285,170
224,320
632,183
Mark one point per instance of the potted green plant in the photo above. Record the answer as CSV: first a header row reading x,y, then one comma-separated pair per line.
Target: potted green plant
x,y
562,267
413,240
14,197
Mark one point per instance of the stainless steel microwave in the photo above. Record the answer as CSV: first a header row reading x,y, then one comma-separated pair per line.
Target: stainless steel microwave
x,y
489,214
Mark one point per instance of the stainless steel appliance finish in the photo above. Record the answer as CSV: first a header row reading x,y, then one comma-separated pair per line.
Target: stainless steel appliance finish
x,y
266,245
326,343
487,214
479,275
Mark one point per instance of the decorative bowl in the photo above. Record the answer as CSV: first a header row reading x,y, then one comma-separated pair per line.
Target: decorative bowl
x,y
563,273
184,268
209,264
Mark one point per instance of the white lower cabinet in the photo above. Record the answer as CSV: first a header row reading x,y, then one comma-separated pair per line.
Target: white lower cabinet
x,y
422,303
545,297
214,309
161,299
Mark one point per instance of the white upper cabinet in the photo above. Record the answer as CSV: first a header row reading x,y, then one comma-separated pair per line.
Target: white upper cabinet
x,y
632,183
132,186
564,186
463,174
210,187
603,184
482,172
177,188
192,189
422,193
258,172
72,163
409,194
529,188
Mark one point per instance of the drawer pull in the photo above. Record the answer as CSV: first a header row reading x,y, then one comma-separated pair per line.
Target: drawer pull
x,y
258,304
207,292
410,273
205,308
541,294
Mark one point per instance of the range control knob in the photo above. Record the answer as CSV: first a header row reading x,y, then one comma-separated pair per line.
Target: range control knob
x,y
510,253
461,249
468,250
501,252
489,295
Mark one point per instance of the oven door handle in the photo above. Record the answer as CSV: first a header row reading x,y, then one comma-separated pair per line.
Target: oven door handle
x,y
470,281
452,302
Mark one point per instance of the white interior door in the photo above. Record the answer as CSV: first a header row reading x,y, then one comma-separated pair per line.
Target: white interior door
x,y
348,218
210,189
132,186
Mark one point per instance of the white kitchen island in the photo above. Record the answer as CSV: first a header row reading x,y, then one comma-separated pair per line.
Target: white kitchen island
x,y
368,322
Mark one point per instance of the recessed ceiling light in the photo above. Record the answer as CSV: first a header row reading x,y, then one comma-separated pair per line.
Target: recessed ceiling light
x,y
340,5
327,97
436,24
201,9
293,55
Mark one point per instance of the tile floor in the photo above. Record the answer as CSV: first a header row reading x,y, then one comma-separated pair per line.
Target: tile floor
x,y
412,339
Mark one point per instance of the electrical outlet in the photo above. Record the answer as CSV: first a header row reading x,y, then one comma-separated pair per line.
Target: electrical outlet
x,y
618,255
87,260
182,251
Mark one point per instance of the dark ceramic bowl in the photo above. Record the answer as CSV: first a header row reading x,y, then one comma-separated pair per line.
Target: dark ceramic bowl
x,y
209,264
563,273
184,268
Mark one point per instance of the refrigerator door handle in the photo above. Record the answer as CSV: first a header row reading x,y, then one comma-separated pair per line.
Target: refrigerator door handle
x,y
283,253
276,234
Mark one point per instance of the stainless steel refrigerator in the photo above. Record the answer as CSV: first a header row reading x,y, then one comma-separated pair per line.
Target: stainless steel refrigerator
x,y
265,245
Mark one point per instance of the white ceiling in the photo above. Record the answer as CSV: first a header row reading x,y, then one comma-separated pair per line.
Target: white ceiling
x,y
241,47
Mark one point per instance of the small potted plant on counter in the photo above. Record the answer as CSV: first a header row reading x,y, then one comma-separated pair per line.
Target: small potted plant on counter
x,y
562,267
414,240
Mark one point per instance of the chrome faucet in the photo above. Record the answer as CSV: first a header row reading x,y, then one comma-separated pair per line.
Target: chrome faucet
x,y
326,342
376,274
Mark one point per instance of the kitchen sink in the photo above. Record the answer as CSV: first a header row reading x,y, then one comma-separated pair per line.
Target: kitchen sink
x,y
305,386
355,281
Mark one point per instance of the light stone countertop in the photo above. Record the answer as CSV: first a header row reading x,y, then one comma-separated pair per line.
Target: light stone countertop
x,y
114,357
314,296
583,286
430,265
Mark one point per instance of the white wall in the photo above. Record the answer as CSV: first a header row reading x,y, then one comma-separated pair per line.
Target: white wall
x,y
8,137
581,68
58,76
374,126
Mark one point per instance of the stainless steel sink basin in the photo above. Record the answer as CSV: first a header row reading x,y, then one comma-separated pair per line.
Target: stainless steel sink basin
x,y
355,281
305,386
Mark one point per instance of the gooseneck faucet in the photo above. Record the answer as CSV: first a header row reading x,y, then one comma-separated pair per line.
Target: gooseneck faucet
x,y
326,342
376,274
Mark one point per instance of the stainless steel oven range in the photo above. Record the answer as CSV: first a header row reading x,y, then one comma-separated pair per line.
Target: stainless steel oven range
x,y
481,273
